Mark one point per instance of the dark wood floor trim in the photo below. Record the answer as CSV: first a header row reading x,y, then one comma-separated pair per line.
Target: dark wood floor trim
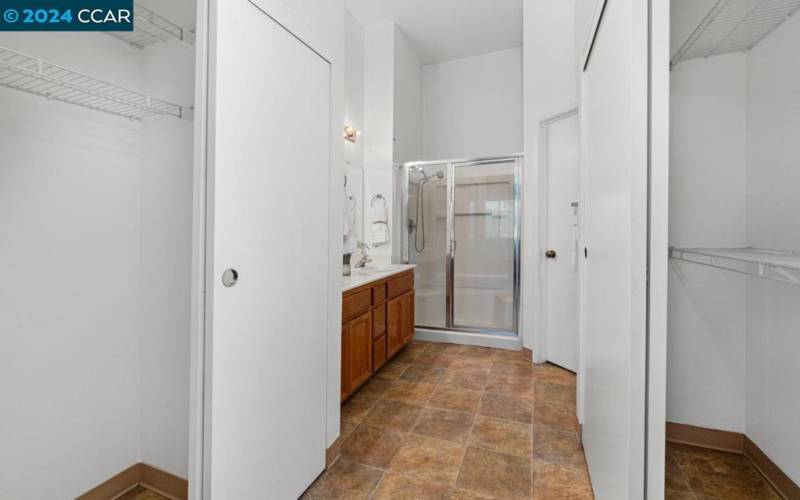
x,y
735,442
705,437
779,480
157,480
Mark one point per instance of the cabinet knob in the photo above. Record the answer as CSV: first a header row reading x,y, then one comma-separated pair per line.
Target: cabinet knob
x,y
550,254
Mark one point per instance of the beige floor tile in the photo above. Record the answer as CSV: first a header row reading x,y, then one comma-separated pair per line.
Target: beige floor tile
x,y
392,370
428,458
506,407
558,482
554,416
396,486
555,394
557,446
410,392
372,446
455,398
495,474
477,352
504,436
553,374
345,480
506,369
393,415
513,386
422,373
474,379
444,424
512,357
434,359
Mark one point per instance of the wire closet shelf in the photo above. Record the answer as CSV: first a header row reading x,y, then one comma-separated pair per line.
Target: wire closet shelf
x,y
770,264
150,28
734,26
36,76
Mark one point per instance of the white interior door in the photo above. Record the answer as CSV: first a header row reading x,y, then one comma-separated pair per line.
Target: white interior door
x,y
563,193
614,152
269,161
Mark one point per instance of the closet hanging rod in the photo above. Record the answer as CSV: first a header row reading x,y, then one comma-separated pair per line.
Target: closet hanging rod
x,y
150,28
770,264
39,77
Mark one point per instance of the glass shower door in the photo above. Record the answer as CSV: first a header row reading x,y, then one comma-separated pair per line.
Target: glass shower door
x,y
428,242
484,245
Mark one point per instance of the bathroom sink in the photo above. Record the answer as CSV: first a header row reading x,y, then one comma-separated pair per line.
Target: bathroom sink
x,y
375,269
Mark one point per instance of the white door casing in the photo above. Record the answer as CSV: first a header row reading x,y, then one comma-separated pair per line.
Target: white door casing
x,y
561,169
614,113
268,198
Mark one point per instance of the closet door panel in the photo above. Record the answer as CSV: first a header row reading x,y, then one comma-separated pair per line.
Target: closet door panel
x,y
269,167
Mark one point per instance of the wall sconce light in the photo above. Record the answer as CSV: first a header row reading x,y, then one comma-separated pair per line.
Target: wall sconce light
x,y
351,133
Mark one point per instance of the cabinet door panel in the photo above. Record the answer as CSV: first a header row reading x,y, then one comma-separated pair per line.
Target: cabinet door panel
x,y
378,353
378,321
359,350
394,325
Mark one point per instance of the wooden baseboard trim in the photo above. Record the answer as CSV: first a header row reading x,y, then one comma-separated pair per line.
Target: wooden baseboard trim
x,y
735,442
705,437
333,452
157,480
779,480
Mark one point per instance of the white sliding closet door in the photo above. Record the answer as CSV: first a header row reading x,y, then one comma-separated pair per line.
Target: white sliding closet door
x,y
269,172
613,327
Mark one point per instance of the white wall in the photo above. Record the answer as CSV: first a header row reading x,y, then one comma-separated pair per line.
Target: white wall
x,y
549,86
70,195
354,116
166,181
407,100
706,314
773,221
379,89
473,106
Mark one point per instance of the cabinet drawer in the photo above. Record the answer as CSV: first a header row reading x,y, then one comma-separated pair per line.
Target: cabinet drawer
x,y
378,294
378,353
355,304
400,285
378,321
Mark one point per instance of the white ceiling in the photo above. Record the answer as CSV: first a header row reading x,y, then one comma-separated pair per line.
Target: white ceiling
x,y
443,30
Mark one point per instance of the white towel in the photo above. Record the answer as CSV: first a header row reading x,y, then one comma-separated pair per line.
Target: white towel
x,y
379,233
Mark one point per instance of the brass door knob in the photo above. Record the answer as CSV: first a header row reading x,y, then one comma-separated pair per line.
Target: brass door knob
x,y
550,254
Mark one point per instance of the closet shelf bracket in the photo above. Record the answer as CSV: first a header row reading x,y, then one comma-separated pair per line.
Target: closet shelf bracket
x,y
769,264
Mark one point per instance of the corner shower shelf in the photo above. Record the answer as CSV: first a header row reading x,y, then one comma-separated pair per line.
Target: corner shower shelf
x,y
770,264
35,76
150,28
734,26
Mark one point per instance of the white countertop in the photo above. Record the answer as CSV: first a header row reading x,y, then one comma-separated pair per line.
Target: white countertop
x,y
362,277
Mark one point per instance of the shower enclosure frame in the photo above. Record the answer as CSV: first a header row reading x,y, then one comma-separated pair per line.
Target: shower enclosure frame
x,y
450,255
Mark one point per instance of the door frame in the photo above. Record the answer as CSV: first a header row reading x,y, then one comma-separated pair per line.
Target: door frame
x,y
540,333
198,485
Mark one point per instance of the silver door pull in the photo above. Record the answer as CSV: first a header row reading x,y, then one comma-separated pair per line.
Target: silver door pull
x,y
230,277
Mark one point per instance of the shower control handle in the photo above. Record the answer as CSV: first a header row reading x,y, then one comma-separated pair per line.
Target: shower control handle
x,y
550,254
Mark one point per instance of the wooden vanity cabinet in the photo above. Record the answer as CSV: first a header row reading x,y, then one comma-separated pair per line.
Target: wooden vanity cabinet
x,y
377,322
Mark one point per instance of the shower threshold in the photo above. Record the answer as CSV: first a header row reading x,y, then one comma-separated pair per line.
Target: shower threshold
x,y
497,340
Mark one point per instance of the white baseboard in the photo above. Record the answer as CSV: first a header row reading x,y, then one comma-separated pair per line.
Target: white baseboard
x,y
468,338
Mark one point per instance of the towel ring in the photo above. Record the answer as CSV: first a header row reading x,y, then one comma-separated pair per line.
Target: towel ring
x,y
377,197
